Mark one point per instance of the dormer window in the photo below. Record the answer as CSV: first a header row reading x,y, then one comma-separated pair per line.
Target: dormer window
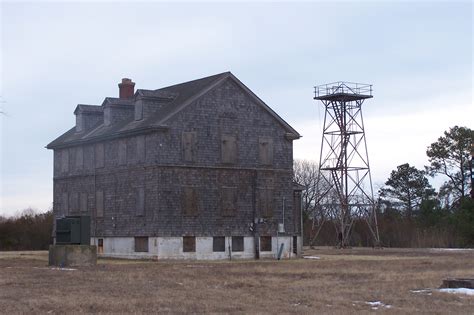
x,y
79,122
107,116
139,111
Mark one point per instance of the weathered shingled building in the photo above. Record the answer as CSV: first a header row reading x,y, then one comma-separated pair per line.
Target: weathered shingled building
x,y
201,169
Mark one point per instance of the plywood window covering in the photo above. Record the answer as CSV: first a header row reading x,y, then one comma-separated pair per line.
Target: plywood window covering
x,y
141,244
140,207
99,155
265,243
100,245
229,149
228,198
74,202
79,158
218,244
88,157
64,203
83,202
189,146
122,152
189,244
131,150
190,199
265,150
64,160
295,244
141,149
237,243
265,200
99,203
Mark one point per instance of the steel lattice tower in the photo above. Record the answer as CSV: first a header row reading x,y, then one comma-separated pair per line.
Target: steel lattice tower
x,y
344,178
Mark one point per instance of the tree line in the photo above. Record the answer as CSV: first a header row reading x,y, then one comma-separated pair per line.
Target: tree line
x,y
410,212
27,231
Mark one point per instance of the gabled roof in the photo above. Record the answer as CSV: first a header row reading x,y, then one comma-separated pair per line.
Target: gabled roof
x,y
174,98
88,109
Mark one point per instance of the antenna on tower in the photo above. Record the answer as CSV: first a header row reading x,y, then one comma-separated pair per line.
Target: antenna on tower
x,y
344,173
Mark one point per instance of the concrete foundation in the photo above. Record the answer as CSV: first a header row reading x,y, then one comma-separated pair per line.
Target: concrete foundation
x,y
72,255
172,248
458,283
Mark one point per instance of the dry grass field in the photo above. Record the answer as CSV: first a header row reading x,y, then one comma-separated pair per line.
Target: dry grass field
x,y
339,282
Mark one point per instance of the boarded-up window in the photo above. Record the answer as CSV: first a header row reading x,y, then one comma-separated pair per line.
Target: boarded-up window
x,y
131,150
65,161
99,155
83,202
295,244
74,202
122,152
237,243
228,149
140,211
88,157
228,201
141,244
100,246
79,158
189,243
64,203
190,201
218,244
141,149
189,146
265,202
265,243
265,150
99,203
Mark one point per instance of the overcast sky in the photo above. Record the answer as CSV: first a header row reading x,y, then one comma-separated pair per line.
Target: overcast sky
x,y
418,56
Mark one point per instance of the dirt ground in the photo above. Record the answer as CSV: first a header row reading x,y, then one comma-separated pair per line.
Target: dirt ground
x,y
335,282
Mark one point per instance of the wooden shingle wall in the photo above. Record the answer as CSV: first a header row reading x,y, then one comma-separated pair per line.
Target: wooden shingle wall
x,y
222,162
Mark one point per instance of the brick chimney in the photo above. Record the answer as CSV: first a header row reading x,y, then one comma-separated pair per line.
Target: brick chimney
x,y
126,88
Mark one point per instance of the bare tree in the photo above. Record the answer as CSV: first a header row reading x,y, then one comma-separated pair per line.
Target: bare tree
x,y
306,173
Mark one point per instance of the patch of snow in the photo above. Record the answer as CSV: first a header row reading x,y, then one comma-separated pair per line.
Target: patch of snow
x,y
300,304
422,291
451,249
458,291
199,266
376,304
311,257
55,268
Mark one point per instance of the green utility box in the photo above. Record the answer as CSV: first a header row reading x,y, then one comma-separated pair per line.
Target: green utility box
x,y
73,230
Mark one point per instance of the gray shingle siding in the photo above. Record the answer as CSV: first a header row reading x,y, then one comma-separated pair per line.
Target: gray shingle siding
x,y
145,178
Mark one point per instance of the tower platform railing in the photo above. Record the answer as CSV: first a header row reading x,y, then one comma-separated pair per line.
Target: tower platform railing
x,y
343,87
